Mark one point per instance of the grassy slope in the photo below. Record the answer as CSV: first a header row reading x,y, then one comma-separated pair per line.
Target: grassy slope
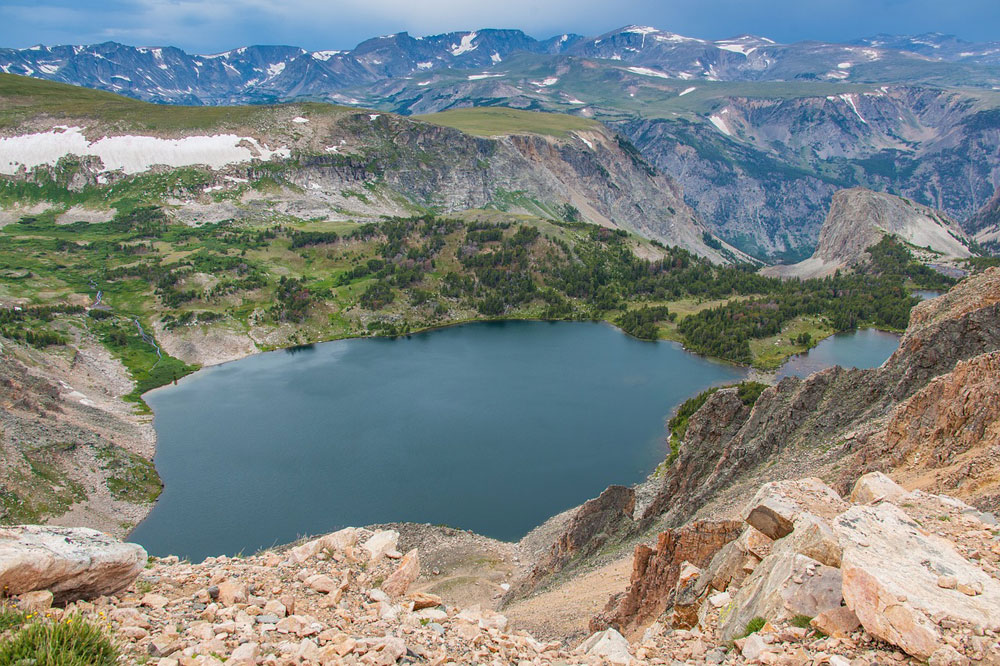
x,y
496,121
24,98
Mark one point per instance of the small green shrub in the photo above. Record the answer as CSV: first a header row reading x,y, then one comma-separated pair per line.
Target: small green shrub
x,y
801,621
753,626
71,642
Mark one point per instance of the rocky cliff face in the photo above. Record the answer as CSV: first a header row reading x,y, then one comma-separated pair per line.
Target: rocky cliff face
x,y
859,218
768,180
945,437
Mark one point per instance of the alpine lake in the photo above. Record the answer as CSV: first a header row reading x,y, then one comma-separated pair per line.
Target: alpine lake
x,y
492,427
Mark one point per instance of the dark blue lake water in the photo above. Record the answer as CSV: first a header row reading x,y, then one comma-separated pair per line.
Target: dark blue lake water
x,y
492,427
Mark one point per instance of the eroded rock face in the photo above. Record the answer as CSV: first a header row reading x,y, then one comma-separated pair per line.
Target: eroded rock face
x,y
891,568
655,572
716,423
943,438
859,218
72,563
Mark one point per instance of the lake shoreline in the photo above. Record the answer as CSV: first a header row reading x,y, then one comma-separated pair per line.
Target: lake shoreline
x,y
725,373
754,374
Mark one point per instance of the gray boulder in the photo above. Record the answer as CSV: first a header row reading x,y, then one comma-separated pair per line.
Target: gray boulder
x,y
72,563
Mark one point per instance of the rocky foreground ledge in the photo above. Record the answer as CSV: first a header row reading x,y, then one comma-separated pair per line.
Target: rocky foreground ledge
x,y
888,577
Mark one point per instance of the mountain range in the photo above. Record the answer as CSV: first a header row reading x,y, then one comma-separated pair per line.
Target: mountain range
x,y
252,74
759,135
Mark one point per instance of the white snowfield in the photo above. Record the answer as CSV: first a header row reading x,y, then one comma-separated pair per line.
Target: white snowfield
x,y
646,71
131,154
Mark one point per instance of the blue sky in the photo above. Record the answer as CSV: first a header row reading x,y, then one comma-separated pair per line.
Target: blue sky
x,y
206,27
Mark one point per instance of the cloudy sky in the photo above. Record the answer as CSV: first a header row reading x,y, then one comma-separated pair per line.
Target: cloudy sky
x,y
216,25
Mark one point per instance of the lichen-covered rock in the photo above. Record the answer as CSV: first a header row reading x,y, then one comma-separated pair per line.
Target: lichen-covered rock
x,y
782,586
813,537
838,622
72,563
891,569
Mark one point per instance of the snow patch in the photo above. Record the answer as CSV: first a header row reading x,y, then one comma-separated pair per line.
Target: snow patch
x,y
671,37
844,65
574,100
850,102
466,45
49,69
547,82
645,71
373,116
495,58
131,154
476,77
324,55
589,144
720,124
275,69
300,120
640,29
424,83
425,65
742,49
687,90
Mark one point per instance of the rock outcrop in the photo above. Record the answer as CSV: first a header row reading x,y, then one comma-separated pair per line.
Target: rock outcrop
x,y
655,572
932,592
859,218
71,563
893,581
959,413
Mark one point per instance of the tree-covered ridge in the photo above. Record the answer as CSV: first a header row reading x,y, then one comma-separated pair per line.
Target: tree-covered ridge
x,y
878,295
306,281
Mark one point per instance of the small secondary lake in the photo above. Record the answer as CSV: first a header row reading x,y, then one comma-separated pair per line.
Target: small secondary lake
x,y
867,348
492,427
